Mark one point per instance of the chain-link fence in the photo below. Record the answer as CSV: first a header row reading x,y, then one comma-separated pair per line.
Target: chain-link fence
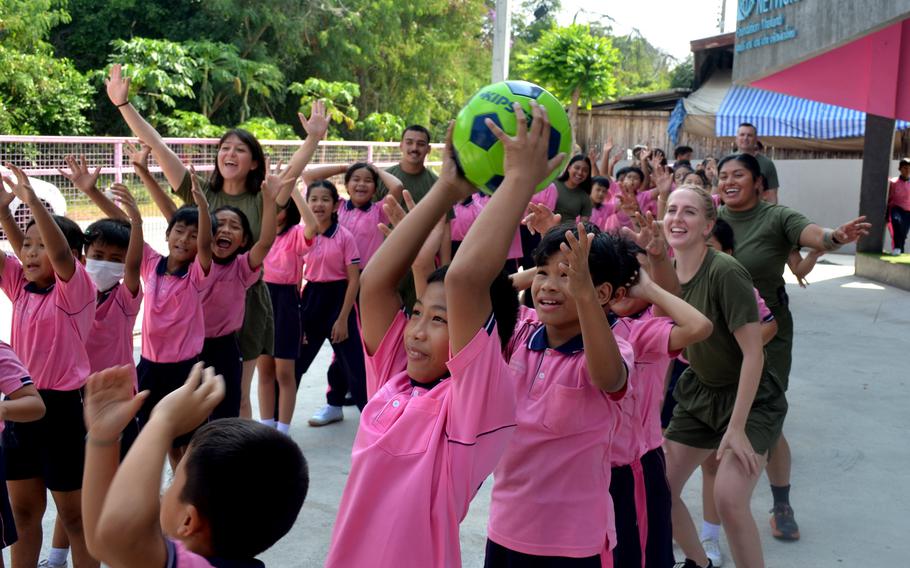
x,y
41,156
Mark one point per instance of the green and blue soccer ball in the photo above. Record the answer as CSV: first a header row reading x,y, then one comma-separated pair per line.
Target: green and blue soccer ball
x,y
480,154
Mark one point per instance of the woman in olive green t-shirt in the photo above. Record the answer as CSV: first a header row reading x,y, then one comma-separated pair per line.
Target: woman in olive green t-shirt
x,y
236,180
727,404
573,190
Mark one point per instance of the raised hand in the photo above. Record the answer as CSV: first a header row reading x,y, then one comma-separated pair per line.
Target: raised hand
x,y
575,265
852,230
608,147
118,86
650,234
628,202
21,186
540,219
273,182
187,407
198,196
662,180
139,154
79,174
318,124
126,200
526,152
110,404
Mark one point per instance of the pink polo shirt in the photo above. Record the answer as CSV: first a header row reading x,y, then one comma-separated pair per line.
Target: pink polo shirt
x,y
173,327
330,255
551,493
639,432
284,263
647,202
421,454
362,223
50,326
899,194
179,557
110,342
466,213
600,214
13,374
224,300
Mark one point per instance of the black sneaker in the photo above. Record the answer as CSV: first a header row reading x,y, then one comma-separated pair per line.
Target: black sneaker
x,y
689,563
783,523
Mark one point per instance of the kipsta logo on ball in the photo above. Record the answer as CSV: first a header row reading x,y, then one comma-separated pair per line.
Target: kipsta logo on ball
x,y
480,153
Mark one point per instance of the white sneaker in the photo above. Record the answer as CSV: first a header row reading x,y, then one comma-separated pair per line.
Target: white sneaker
x,y
896,252
46,564
326,415
713,551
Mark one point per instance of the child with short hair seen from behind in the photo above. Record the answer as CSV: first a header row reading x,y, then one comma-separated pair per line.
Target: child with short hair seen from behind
x,y
195,523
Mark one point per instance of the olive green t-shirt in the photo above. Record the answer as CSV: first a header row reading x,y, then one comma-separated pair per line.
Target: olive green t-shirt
x,y
722,291
249,203
764,237
769,171
571,203
417,185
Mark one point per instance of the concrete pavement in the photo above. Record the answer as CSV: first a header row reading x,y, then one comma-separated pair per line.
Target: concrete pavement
x,y
849,395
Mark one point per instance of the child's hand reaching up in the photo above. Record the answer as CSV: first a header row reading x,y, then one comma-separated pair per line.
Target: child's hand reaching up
x,y
123,196
540,219
20,186
110,404
139,155
80,175
394,212
187,407
274,181
575,265
198,196
449,173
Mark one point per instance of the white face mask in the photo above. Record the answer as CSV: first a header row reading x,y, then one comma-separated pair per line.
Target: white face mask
x,y
104,274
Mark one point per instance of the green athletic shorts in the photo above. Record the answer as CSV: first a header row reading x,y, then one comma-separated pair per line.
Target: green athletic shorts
x,y
257,336
702,413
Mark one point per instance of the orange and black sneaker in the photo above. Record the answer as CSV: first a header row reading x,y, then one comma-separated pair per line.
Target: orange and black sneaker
x,y
783,523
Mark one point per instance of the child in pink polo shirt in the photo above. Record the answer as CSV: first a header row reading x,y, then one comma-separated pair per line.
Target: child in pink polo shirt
x,y
438,420
332,276
551,502
283,272
603,199
173,324
238,490
466,212
641,497
21,403
53,310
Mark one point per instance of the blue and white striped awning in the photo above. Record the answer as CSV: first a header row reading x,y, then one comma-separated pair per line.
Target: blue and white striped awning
x,y
774,114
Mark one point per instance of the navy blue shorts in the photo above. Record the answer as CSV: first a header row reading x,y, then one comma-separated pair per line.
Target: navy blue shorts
x,y
659,545
8,534
160,379
52,448
223,353
286,309
498,556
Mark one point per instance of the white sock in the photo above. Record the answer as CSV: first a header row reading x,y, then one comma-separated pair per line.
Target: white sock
x,y
710,531
284,428
57,557
270,422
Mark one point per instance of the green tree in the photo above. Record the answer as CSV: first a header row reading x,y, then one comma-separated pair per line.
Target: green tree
x,y
683,75
574,65
39,94
338,97
188,124
382,127
642,67
266,128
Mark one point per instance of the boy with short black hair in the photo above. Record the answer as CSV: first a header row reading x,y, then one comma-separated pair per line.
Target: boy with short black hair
x,y
204,521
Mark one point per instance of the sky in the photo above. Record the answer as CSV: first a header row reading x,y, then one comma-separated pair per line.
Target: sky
x,y
667,24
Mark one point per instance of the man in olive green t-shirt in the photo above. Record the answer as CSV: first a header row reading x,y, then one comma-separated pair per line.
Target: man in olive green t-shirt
x,y
410,169
747,143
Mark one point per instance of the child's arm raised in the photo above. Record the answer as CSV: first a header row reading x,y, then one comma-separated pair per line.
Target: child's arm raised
x,y
316,128
140,160
109,407
86,181
604,361
691,325
204,233
483,252
133,260
58,250
118,91
306,215
272,187
322,172
8,222
379,281
650,237
391,183
128,531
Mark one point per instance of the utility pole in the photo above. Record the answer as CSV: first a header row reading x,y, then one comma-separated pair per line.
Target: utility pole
x,y
502,36
723,15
